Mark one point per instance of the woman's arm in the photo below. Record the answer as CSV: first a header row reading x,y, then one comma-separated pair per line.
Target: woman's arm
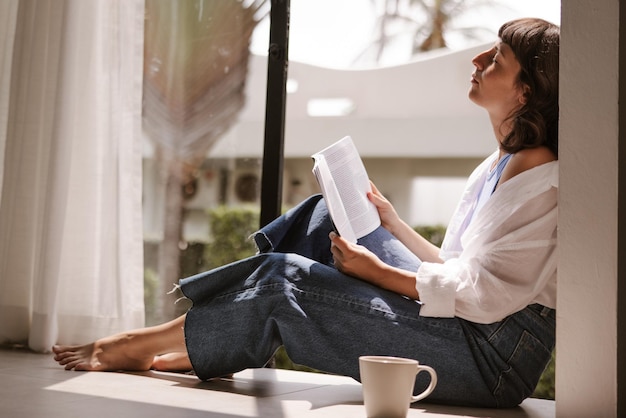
x,y
357,261
418,245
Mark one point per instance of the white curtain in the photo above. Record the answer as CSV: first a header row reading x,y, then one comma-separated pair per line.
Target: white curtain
x,y
71,258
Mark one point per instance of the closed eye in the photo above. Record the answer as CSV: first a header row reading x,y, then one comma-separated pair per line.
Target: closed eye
x,y
495,54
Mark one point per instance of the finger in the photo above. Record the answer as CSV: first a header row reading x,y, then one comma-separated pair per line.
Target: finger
x,y
374,193
377,192
334,250
336,257
377,198
336,239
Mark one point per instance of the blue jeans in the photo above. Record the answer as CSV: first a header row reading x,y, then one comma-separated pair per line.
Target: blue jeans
x,y
290,294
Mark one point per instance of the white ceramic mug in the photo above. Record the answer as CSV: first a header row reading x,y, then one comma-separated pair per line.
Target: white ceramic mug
x,y
388,384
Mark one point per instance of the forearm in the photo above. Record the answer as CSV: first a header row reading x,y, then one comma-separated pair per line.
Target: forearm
x,y
357,261
396,280
417,244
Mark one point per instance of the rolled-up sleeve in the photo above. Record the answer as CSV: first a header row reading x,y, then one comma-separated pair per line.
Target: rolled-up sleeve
x,y
437,285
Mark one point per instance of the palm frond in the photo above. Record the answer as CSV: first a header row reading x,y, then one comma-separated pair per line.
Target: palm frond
x,y
196,58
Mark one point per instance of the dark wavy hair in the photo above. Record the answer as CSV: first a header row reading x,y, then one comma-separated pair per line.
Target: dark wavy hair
x,y
535,43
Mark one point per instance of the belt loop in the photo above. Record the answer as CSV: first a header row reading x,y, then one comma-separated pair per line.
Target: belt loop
x,y
545,311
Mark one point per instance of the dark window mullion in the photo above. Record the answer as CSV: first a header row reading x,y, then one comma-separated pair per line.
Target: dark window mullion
x,y
273,149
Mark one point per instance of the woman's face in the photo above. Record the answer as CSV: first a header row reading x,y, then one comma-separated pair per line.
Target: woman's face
x,y
495,82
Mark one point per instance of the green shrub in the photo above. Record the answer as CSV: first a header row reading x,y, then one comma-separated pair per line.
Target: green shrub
x,y
545,387
230,231
433,234
282,361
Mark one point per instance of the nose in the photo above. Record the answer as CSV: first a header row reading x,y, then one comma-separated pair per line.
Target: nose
x,y
480,59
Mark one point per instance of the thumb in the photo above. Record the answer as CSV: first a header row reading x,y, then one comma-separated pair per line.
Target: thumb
x,y
337,239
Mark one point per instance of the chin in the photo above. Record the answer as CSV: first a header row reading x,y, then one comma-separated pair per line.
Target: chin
x,y
473,96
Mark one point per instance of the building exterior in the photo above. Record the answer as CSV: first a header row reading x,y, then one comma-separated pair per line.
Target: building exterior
x,y
413,124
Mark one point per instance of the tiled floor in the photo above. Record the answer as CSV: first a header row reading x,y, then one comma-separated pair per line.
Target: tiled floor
x,y
33,386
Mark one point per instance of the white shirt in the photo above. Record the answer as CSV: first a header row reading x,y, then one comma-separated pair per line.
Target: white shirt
x,y
505,259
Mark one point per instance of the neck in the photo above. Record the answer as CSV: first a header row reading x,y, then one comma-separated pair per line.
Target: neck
x,y
501,128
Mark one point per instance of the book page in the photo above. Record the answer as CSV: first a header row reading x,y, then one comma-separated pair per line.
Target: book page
x,y
331,195
345,184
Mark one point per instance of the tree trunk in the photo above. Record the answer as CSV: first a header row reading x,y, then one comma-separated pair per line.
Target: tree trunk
x,y
169,249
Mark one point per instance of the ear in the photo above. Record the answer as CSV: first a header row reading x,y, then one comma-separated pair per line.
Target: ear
x,y
525,93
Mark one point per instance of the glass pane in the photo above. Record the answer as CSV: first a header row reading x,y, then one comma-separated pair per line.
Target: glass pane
x,y
354,69
203,119
360,68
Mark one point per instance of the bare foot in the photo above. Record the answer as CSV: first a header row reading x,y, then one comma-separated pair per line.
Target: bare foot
x,y
133,350
172,362
118,352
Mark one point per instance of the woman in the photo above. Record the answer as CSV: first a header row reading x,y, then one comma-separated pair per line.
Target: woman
x,y
480,310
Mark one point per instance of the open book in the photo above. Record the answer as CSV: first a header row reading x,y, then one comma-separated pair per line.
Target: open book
x,y
344,182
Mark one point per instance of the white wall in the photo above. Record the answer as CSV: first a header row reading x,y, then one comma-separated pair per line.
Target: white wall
x,y
419,109
587,327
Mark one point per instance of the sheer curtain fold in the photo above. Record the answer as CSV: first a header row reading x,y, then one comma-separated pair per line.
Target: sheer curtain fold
x,y
71,261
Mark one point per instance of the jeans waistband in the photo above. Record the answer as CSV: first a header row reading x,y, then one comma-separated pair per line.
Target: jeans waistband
x,y
543,310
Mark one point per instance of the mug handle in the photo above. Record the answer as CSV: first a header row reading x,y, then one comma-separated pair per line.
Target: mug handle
x,y
431,387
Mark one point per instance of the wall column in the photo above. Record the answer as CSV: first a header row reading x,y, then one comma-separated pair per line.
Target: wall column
x,y
590,322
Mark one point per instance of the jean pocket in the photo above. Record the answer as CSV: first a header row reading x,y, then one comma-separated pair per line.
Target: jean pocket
x,y
524,368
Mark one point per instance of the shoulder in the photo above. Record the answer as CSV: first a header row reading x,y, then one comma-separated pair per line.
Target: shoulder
x,y
525,160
